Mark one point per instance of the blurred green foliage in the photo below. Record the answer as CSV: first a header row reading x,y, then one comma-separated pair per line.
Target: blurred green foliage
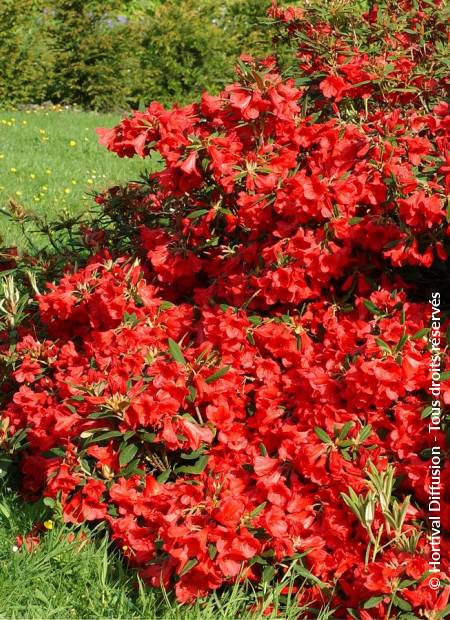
x,y
113,54
26,60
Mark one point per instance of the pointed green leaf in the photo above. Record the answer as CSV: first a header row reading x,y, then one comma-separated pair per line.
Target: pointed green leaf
x,y
218,374
127,453
163,477
322,435
383,345
373,602
197,213
188,566
176,352
194,469
421,333
345,429
372,307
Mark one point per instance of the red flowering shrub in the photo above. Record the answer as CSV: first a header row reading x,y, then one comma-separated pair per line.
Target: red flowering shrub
x,y
243,375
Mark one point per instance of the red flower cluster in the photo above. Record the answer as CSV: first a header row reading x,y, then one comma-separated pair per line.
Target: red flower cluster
x,y
391,55
211,458
243,386
280,208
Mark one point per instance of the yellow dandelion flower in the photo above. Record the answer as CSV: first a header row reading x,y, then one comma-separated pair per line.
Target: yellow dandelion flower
x,y
73,182
32,175
18,193
72,143
48,524
48,171
90,182
13,170
67,190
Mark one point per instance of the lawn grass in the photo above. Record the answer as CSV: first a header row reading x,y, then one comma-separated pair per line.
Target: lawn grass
x,y
50,161
87,579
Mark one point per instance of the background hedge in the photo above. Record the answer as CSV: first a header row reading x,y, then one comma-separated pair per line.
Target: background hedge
x,y
112,54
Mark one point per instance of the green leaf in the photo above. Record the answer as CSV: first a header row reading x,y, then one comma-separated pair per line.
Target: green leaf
x,y
197,213
268,573
345,429
188,566
218,374
445,375
4,509
148,437
130,319
426,412
132,468
192,394
304,572
421,333
163,476
212,551
373,602
127,453
58,451
401,604
372,307
107,435
176,352
194,469
99,415
365,432
191,456
383,345
322,435
401,343
165,305
355,220
256,511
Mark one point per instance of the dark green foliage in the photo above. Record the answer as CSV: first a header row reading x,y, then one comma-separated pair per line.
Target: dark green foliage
x,y
26,59
113,54
192,46
94,54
